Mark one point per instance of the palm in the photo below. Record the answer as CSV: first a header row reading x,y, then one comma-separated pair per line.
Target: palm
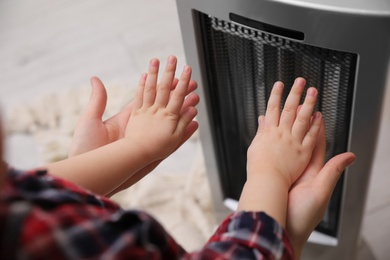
x,y
91,131
304,199
310,194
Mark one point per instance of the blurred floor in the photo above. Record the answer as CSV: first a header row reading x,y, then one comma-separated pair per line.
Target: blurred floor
x,y
48,46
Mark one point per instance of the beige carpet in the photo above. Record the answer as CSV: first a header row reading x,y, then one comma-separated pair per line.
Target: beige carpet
x,y
180,201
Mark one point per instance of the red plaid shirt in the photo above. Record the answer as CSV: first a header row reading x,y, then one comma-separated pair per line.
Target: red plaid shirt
x,y
43,217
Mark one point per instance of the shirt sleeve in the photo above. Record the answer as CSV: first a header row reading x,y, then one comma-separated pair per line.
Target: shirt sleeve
x,y
42,217
247,235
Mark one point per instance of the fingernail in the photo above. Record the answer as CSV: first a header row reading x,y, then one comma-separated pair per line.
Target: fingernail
x,y
300,81
317,115
154,63
144,75
187,69
278,85
312,92
171,60
351,161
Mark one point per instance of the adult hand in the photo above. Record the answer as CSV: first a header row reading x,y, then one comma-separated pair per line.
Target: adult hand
x,y
310,194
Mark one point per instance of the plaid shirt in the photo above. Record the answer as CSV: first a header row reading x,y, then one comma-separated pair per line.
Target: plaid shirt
x,y
43,217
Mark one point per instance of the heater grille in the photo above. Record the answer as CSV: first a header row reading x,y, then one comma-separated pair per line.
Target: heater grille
x,y
242,65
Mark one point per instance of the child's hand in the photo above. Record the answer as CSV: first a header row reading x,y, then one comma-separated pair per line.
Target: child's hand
x,y
310,194
284,142
92,132
158,121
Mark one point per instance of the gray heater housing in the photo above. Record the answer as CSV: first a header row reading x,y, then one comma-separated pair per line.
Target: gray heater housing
x,y
345,43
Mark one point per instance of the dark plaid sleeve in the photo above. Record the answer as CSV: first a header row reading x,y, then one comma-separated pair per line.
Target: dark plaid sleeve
x,y
247,235
43,217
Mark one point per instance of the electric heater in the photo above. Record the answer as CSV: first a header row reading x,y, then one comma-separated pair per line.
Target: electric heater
x,y
239,48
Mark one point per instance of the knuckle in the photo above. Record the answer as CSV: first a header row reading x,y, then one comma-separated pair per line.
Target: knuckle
x,y
310,101
289,109
177,95
170,68
302,119
273,107
163,88
311,134
296,92
150,89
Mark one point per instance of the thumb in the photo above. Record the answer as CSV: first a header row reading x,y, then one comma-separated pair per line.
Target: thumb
x,y
332,170
98,99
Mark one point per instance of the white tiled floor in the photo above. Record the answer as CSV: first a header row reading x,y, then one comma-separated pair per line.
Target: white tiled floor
x,y
48,46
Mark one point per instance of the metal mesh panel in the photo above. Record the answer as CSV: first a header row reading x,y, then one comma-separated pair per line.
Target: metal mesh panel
x,y
242,66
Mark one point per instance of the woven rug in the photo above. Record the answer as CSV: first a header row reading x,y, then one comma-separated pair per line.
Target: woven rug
x,y
180,201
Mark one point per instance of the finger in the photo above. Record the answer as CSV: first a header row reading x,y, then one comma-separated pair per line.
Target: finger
x,y
272,114
290,107
317,159
139,96
261,121
166,82
190,101
311,136
174,83
331,172
318,156
98,99
192,86
185,119
126,112
189,131
151,82
121,119
299,109
302,121
176,101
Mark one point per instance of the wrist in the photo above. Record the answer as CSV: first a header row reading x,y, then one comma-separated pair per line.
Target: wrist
x,y
142,152
270,174
267,193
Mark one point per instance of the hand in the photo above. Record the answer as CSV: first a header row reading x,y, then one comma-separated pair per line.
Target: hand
x,y
284,142
92,132
280,151
158,123
310,194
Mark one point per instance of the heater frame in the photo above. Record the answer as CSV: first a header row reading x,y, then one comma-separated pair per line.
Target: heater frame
x,y
360,27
